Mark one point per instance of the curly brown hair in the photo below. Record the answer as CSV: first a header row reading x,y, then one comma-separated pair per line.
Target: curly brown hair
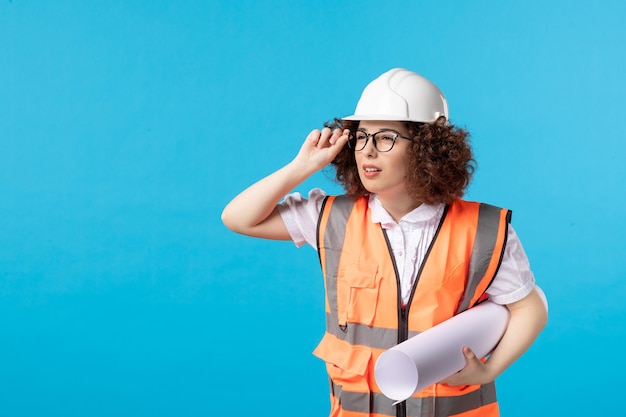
x,y
440,166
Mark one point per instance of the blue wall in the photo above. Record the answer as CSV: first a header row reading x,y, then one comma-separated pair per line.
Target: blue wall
x,y
125,127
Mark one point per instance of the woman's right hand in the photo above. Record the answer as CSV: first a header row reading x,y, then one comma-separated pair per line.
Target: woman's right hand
x,y
321,147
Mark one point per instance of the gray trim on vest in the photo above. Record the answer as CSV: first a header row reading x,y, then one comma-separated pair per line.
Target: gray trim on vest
x,y
361,334
450,406
364,402
482,251
334,232
367,403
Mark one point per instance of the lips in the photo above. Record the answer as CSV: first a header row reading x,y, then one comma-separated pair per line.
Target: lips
x,y
370,171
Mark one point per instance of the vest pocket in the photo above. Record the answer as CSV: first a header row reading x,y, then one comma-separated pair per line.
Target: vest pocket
x,y
357,293
346,364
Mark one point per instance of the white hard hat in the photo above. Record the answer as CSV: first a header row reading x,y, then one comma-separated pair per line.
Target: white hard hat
x,y
401,95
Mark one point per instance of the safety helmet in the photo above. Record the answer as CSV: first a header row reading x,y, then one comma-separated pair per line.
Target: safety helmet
x,y
401,95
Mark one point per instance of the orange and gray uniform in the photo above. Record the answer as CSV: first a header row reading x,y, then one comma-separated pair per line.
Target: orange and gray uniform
x,y
364,310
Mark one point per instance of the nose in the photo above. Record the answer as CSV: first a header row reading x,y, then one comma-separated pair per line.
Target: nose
x,y
370,148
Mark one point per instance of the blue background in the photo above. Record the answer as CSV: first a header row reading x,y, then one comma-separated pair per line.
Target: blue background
x,y
126,126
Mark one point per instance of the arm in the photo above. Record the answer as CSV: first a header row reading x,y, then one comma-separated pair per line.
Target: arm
x,y
253,212
528,318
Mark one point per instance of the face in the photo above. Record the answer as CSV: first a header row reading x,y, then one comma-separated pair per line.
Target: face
x,y
383,173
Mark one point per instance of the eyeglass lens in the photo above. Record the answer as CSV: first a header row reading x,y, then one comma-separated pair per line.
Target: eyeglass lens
x,y
383,140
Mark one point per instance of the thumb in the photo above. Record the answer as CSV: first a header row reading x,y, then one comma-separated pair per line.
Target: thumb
x,y
468,353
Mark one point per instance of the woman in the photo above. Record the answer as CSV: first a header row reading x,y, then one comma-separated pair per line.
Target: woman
x,y
400,252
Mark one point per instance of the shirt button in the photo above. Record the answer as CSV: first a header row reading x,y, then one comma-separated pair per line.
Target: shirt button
x,y
400,253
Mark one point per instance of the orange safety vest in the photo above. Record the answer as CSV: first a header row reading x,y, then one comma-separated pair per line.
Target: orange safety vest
x,y
364,311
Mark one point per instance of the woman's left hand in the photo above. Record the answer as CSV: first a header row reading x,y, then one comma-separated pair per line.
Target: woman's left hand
x,y
475,372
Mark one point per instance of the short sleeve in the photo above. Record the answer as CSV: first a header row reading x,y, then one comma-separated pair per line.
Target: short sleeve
x,y
514,279
301,215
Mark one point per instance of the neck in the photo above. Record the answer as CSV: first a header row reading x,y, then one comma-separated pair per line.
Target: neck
x,y
398,206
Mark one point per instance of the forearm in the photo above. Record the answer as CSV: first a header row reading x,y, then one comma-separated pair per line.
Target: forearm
x,y
254,213
256,203
528,317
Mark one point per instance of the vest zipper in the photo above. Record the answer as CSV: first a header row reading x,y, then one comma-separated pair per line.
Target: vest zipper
x,y
403,317
403,328
403,334
403,310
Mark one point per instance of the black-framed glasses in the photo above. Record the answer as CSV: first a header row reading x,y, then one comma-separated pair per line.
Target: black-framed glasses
x,y
383,140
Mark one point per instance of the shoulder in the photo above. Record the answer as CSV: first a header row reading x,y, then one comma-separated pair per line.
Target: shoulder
x,y
483,211
467,203
344,202
295,198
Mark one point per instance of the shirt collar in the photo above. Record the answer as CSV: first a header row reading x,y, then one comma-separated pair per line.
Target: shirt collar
x,y
425,213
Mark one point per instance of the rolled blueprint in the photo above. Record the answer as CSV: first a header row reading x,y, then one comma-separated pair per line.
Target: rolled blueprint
x,y
437,353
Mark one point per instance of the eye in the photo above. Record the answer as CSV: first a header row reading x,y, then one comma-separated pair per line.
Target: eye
x,y
360,136
386,136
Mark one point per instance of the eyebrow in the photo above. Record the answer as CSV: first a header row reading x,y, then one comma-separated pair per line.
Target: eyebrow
x,y
380,130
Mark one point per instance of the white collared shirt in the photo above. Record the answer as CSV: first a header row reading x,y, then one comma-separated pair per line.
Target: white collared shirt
x,y
409,240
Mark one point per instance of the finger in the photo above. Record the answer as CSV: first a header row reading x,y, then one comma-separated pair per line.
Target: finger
x,y
468,353
343,139
314,136
335,136
325,137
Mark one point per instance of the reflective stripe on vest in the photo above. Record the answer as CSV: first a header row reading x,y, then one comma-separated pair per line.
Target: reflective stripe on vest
x,y
431,406
363,303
